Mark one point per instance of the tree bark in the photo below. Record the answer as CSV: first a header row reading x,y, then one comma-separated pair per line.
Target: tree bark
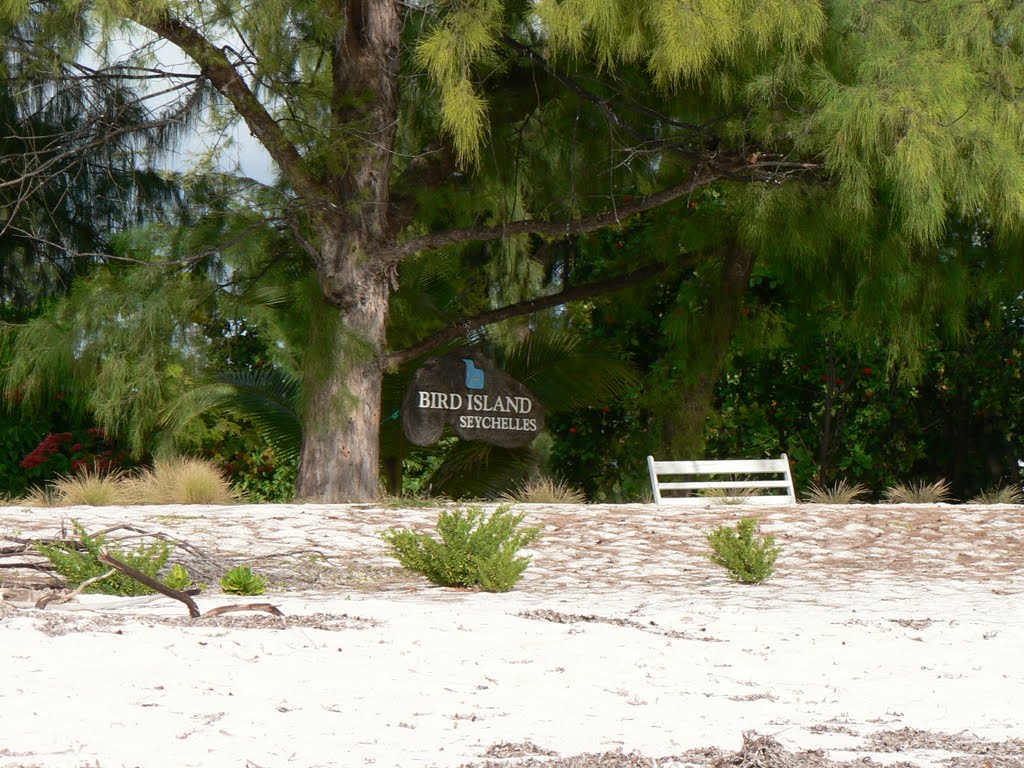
x,y
340,448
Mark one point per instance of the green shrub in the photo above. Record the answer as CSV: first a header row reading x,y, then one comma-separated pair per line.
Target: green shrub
x,y
474,551
748,560
76,565
178,578
242,581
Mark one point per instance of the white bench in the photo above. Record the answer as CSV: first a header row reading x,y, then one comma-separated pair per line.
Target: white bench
x,y
770,476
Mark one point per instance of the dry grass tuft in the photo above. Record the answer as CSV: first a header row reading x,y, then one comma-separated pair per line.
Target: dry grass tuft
x,y
181,480
414,501
919,493
1008,494
840,492
545,490
90,488
41,496
728,495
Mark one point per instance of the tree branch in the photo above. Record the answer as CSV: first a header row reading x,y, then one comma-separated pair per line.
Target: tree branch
x,y
605,105
433,240
575,293
215,66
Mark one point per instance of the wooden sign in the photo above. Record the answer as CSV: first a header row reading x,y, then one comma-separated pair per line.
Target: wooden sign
x,y
479,402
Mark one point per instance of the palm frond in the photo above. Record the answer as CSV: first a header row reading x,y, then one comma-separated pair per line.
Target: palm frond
x,y
480,470
268,399
566,372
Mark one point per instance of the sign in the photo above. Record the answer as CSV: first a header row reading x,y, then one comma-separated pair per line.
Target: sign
x,y
478,401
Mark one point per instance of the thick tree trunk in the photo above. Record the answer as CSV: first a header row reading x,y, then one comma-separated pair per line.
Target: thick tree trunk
x,y
340,451
684,430
340,447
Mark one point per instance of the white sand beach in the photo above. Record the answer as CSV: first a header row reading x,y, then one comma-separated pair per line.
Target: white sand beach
x,y
888,635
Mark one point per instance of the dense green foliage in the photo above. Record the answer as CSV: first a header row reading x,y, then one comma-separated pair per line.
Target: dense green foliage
x,y
78,561
475,549
748,559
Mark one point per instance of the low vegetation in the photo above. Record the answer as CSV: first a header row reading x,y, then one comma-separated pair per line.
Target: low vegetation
x,y
178,578
748,559
1008,494
840,492
921,492
77,561
728,495
90,488
242,581
474,550
182,480
545,490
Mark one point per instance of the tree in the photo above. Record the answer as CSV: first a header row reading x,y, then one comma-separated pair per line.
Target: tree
x,y
56,228
546,121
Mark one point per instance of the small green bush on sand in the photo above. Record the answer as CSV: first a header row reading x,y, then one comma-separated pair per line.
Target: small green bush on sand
x,y
474,550
748,560
242,581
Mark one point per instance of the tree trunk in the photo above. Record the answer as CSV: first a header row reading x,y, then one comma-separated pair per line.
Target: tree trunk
x,y
684,429
340,447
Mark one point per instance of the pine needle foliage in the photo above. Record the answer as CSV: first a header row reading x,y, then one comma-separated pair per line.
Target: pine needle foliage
x,y
78,561
120,346
475,549
749,560
904,116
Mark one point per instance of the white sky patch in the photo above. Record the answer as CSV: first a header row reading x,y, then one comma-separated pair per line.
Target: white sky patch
x,y
235,150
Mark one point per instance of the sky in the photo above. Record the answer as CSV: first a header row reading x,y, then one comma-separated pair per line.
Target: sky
x,y
238,149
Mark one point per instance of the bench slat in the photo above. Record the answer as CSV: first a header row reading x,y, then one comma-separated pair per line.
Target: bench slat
x,y
725,467
695,484
704,501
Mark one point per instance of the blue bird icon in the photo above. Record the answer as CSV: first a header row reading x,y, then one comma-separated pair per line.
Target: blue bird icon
x,y
474,376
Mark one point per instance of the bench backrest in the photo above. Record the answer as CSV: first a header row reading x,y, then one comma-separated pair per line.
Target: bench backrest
x,y
707,481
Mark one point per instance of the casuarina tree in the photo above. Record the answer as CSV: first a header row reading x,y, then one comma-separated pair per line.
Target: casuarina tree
x,y
400,128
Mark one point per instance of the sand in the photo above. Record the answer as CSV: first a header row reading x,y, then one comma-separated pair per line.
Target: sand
x,y
888,635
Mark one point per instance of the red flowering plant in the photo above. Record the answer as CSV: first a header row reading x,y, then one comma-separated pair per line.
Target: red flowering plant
x,y
63,453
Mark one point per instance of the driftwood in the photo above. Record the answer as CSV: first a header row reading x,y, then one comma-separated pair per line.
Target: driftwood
x,y
55,598
25,556
149,581
265,607
193,609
